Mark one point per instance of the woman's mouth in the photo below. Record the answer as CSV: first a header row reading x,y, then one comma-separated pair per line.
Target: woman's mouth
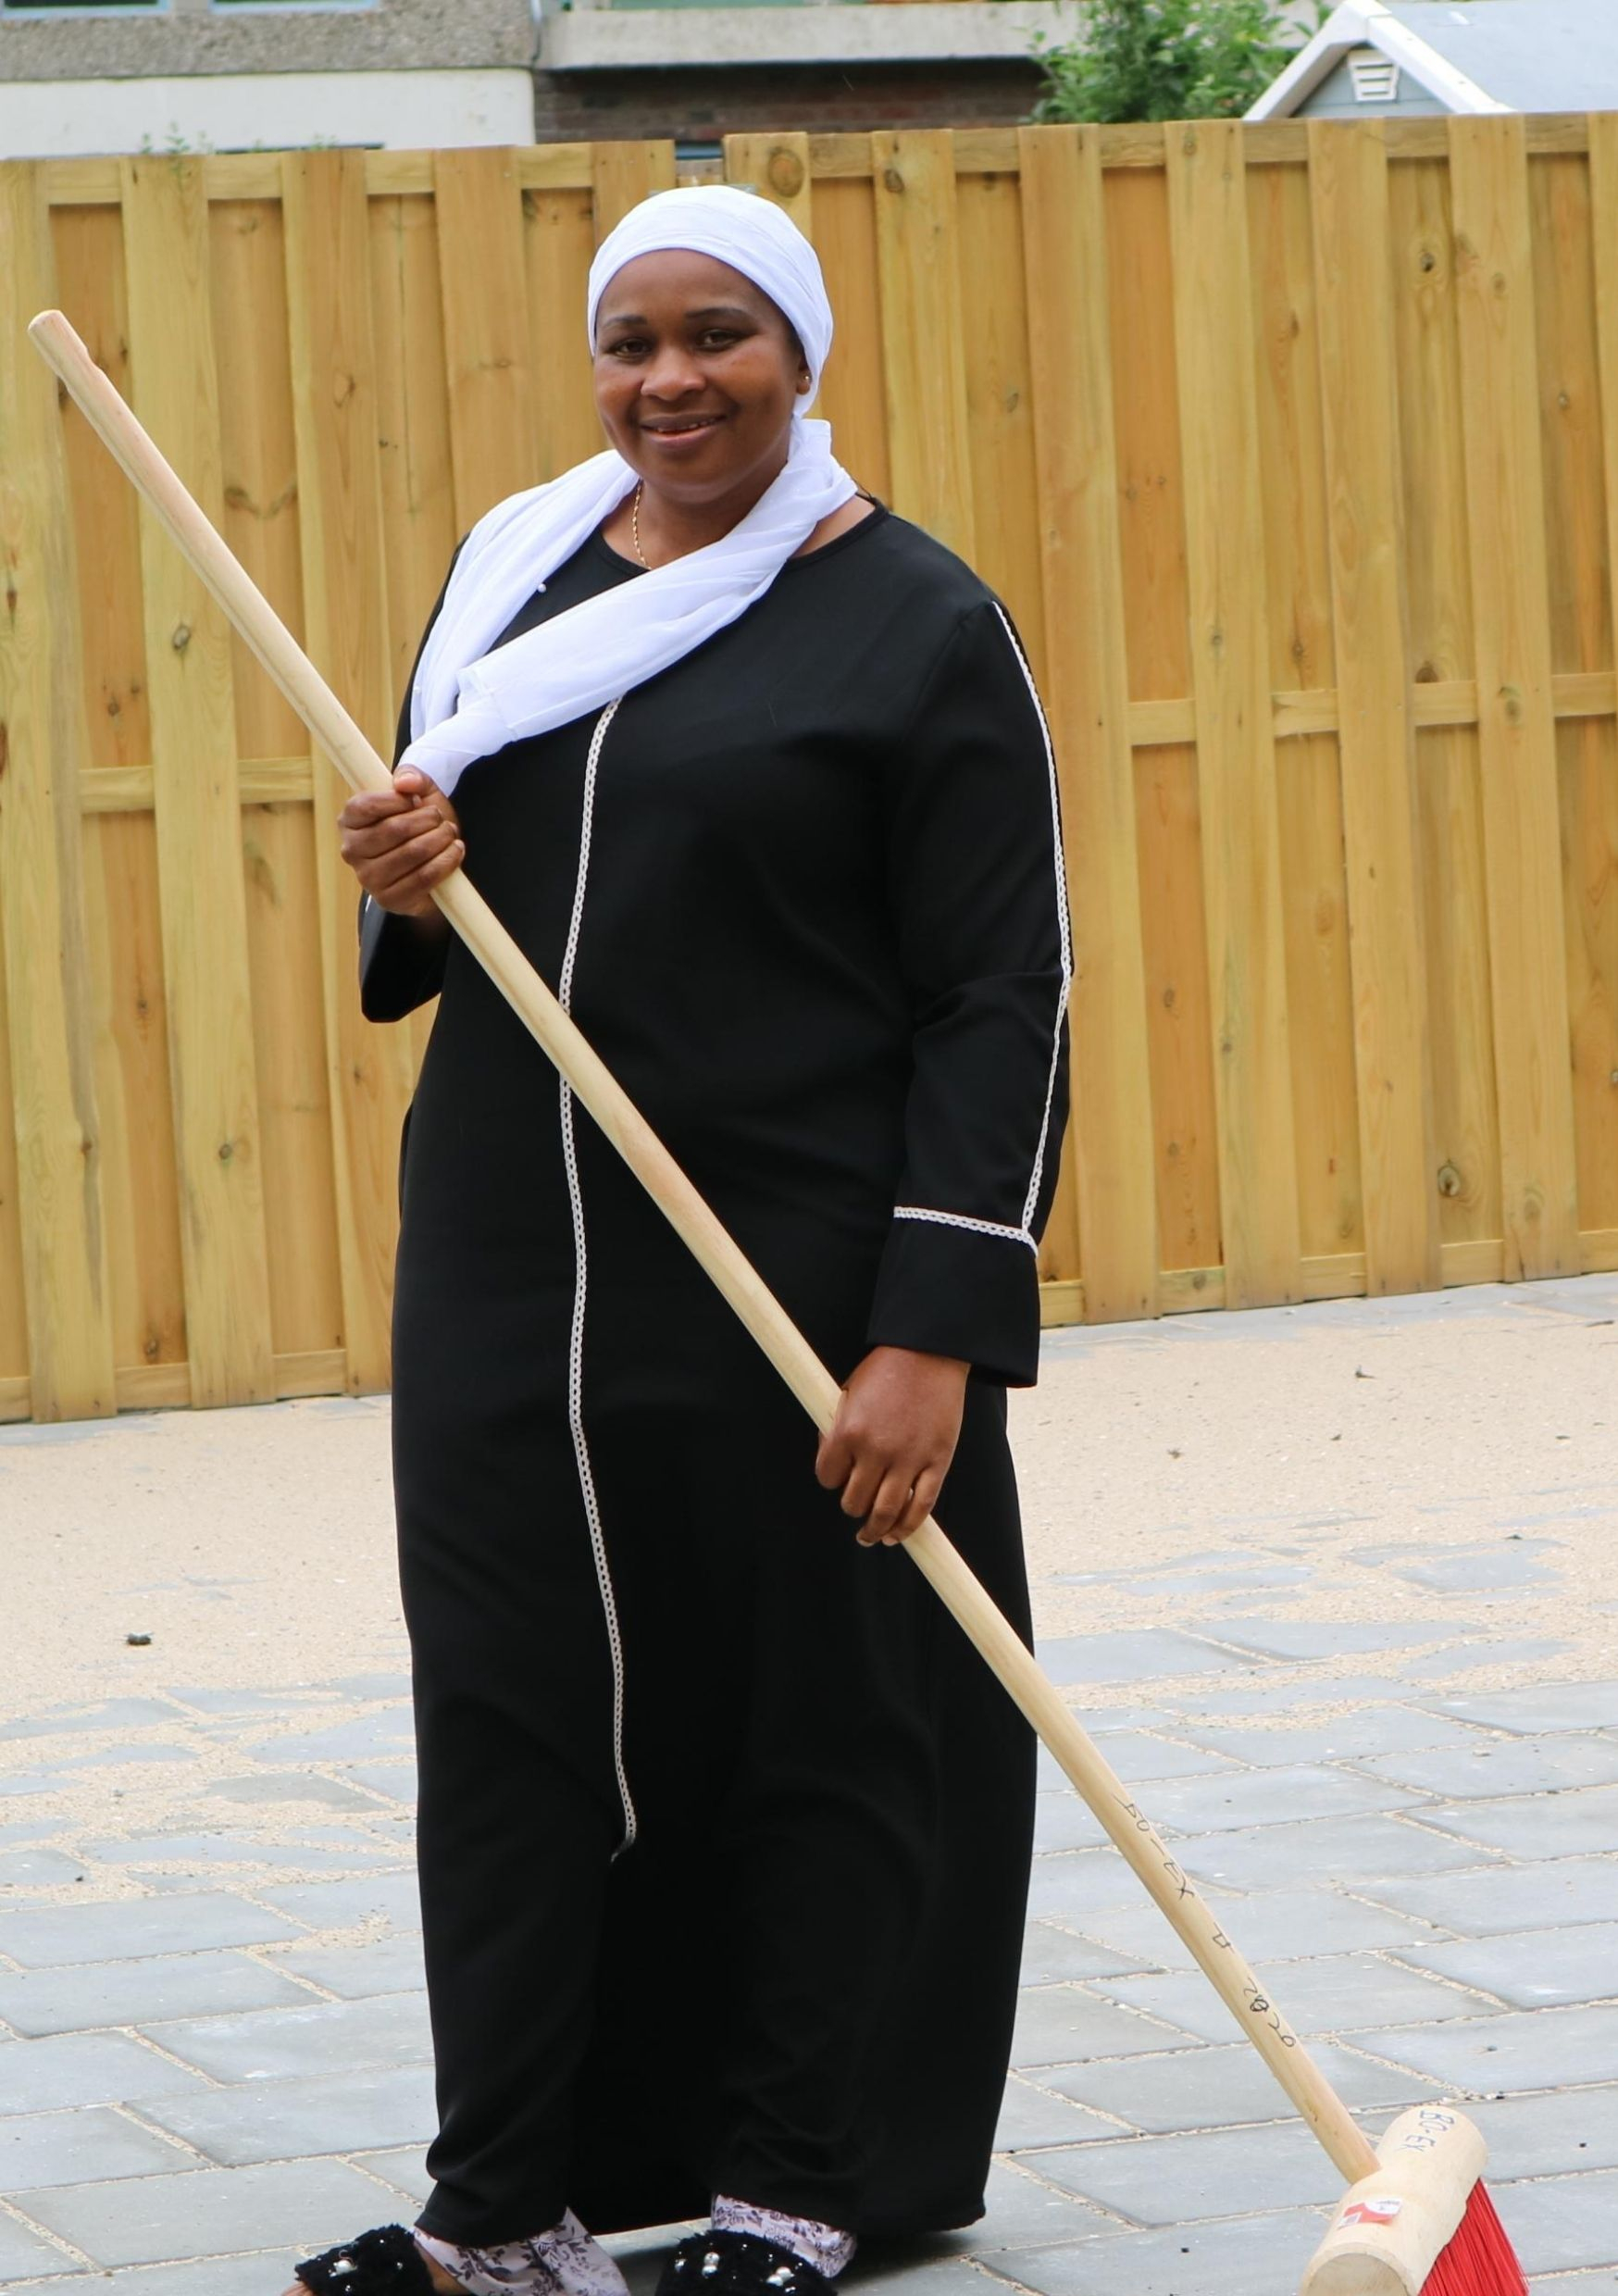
x,y
675,432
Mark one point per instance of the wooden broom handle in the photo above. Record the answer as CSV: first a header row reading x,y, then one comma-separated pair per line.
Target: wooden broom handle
x,y
332,727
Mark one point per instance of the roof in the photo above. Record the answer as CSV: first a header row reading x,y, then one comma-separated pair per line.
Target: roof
x,y
1518,56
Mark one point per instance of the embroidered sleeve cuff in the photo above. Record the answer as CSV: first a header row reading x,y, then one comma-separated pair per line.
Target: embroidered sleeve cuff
x,y
952,1285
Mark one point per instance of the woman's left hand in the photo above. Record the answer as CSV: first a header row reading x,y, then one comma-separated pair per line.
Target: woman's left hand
x,y
889,1447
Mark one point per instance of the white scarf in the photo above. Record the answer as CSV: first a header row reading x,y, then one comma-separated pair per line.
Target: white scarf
x,y
468,701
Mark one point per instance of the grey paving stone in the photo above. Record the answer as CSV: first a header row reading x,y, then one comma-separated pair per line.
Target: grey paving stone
x,y
1330,1638
1537,1826
1563,2225
1063,1822
327,2037
1372,1730
41,1868
1239,2257
58,1936
240,1848
1217,2088
1078,1883
1268,1797
1539,2049
259,1787
1469,1657
85,2068
1280,1926
1478,1567
112,1713
281,2120
390,1732
79,2147
228,1702
1144,1655
1349,1851
1023,2211
1288,1697
128,1757
1537,1708
1056,2024
1488,1900
140,2220
1550,2132
1340,1993
24,2256
388,1686
258,2275
134,1992
1174,2180
1031,2118
27,1782
1532,1968
1484,1768
1136,1755
403,2166
397,1779
392,1965
391,1898
905,2268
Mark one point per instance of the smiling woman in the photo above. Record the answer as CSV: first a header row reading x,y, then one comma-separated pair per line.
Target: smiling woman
x,y
724,1832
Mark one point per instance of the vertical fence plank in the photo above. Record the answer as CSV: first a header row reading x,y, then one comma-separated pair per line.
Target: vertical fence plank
x,y
624,174
1375,729
1603,234
851,390
486,329
558,240
1070,362
42,893
1235,750
924,367
1516,727
777,167
334,402
197,805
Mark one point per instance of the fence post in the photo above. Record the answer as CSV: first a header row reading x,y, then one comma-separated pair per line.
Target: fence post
x,y
198,803
66,1282
924,367
777,167
1517,724
1235,715
346,630
1088,677
1348,183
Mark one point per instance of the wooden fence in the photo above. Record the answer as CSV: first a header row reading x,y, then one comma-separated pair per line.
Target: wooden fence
x,y
1294,451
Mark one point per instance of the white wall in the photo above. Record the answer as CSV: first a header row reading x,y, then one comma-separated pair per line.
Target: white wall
x,y
403,110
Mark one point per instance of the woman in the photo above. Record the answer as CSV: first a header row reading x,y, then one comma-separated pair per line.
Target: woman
x,y
724,1828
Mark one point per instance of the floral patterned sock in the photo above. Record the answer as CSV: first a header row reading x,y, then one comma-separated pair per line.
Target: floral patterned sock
x,y
562,2262
821,2245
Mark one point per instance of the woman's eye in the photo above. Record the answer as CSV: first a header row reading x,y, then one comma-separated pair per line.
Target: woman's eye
x,y
719,338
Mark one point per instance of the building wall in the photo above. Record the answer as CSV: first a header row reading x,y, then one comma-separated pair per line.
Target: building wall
x,y
1334,99
695,104
402,35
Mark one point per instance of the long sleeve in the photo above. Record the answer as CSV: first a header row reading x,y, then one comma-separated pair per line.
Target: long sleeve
x,y
399,968
977,887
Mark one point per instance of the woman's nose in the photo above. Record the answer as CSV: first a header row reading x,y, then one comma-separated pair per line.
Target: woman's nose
x,y
671,372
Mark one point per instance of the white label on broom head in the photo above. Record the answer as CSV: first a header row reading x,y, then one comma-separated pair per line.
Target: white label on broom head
x,y
1376,2212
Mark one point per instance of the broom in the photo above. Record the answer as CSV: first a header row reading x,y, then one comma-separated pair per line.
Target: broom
x,y
1417,2221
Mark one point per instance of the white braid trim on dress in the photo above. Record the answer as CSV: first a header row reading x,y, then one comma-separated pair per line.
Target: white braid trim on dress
x,y
962,1219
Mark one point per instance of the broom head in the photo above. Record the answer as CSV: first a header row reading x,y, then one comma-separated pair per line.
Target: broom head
x,y
1421,2224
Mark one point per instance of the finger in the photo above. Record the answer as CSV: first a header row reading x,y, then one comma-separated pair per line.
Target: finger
x,y
923,1499
892,1498
415,888
864,1482
833,1457
374,840
402,856
367,805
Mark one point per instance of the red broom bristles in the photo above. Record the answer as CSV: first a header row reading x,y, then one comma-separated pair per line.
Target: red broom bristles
x,y
1479,2260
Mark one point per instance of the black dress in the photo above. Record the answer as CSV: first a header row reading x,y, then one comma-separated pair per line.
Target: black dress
x,y
723,1827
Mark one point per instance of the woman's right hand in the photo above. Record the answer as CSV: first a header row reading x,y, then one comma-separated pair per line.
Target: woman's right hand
x,y
402,843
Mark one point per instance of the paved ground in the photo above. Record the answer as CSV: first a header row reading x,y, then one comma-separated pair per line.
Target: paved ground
x,y
1337,1583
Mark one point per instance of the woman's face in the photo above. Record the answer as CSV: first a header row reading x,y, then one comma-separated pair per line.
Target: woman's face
x,y
696,374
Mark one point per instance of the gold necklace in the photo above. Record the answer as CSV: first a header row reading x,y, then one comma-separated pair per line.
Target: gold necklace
x,y
635,526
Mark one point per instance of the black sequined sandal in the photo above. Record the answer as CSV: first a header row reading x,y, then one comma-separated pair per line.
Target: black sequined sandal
x,y
383,2262
738,2264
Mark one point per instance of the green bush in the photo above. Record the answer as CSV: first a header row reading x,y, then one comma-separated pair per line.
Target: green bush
x,y
1169,59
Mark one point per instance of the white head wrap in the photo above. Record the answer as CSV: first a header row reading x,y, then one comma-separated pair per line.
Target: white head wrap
x,y
466,701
